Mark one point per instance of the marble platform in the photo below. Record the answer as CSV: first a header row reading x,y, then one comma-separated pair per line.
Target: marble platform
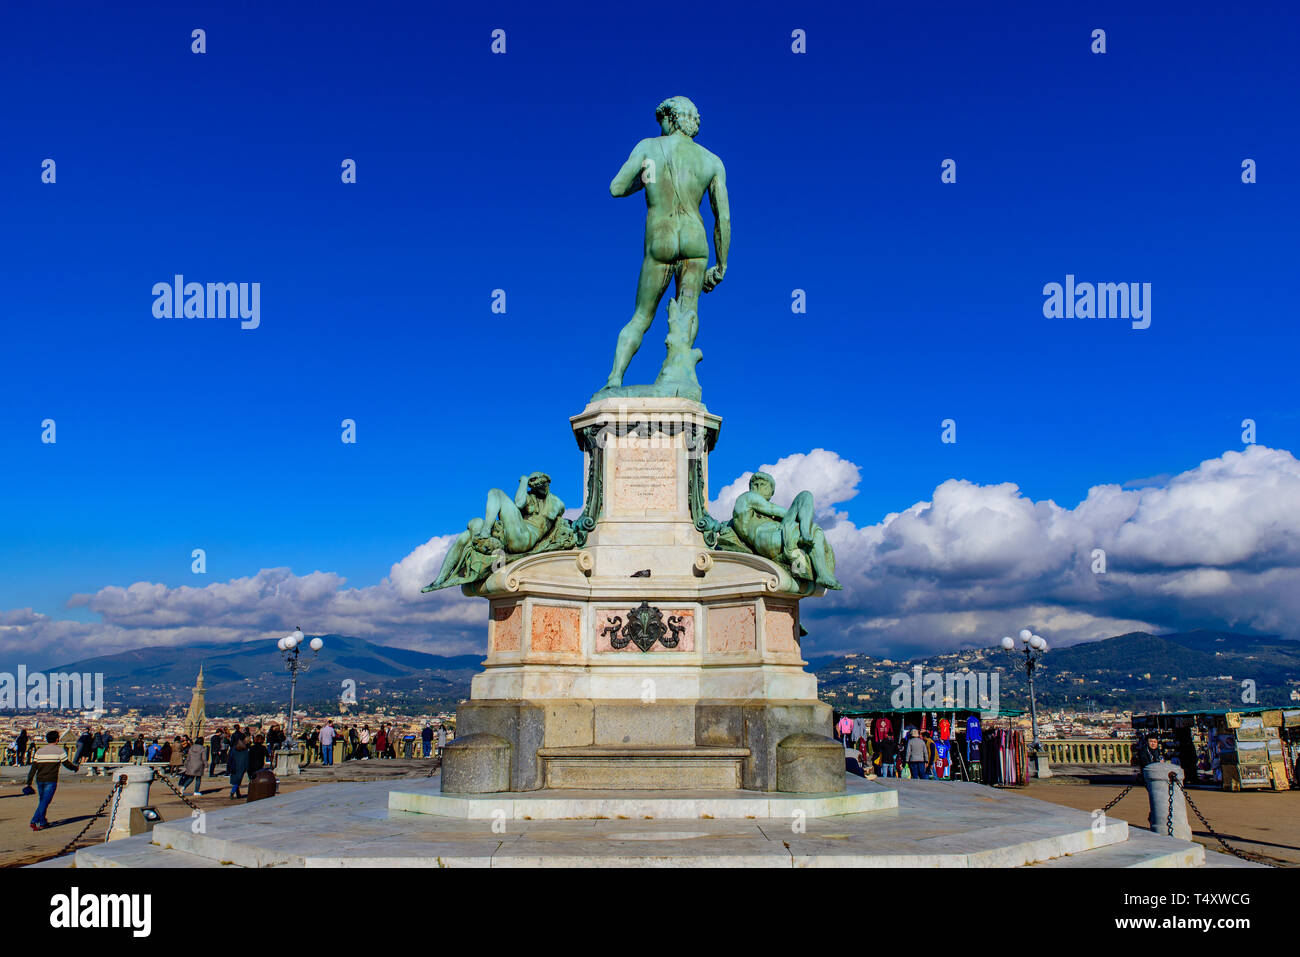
x,y
935,824
859,797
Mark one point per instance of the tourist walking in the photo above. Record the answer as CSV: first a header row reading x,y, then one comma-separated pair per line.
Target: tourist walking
x,y
363,745
45,771
381,742
192,769
426,738
257,755
20,746
915,755
84,745
237,765
217,745
327,735
888,754
442,738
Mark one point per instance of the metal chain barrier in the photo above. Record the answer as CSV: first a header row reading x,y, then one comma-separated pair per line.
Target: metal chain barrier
x,y
1174,782
117,786
1119,798
175,790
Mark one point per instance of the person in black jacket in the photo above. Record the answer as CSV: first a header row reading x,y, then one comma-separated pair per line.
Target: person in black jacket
x,y
84,744
1148,751
237,765
257,756
20,747
888,752
216,753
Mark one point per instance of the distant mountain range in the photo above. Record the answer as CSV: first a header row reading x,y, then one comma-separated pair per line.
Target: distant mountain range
x,y
1136,670
252,675
1198,669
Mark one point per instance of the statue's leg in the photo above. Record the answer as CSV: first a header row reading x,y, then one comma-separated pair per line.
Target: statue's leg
x,y
797,526
497,503
649,290
517,535
690,281
454,554
823,560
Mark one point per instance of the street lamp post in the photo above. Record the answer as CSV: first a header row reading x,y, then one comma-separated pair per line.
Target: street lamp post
x,y
1032,650
291,650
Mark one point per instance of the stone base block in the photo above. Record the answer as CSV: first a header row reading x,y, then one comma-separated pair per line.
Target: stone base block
x,y
760,727
756,727
809,763
643,769
476,764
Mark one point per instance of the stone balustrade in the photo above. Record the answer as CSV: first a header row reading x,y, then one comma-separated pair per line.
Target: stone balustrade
x,y
1089,751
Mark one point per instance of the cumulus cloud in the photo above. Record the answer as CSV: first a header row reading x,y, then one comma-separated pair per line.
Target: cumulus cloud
x,y
1215,546
266,605
830,478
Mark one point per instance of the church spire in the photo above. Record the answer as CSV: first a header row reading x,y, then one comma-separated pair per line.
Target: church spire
x,y
197,715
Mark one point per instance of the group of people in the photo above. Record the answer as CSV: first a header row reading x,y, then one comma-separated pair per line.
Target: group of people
x,y
927,747
243,751
386,741
183,756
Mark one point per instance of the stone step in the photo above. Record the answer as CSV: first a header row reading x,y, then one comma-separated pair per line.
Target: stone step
x,y
1142,849
643,768
139,851
859,797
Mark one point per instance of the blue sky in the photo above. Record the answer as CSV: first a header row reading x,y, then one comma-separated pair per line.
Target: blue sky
x,y
479,171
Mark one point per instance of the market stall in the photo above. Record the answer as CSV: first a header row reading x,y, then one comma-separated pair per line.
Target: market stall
x,y
965,744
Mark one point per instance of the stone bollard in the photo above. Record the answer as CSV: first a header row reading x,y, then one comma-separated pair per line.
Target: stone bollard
x,y
1156,778
135,793
809,764
476,764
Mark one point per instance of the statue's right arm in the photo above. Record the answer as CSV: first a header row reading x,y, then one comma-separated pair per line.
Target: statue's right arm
x,y
721,205
764,507
628,180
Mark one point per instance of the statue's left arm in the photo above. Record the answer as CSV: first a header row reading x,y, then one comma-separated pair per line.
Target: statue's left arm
x,y
629,180
721,206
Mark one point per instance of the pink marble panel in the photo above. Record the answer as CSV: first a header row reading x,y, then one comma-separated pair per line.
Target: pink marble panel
x,y
507,626
731,629
556,628
779,628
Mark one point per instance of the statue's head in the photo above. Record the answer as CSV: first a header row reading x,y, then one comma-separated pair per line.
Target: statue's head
x,y
678,114
763,484
539,483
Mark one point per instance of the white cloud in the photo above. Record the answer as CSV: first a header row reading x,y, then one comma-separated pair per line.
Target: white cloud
x,y
1215,546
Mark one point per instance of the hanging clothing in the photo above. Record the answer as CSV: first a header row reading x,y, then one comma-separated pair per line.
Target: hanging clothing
x,y
881,728
944,729
942,759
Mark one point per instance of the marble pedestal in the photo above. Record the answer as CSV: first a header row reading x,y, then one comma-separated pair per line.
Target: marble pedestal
x,y
644,658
